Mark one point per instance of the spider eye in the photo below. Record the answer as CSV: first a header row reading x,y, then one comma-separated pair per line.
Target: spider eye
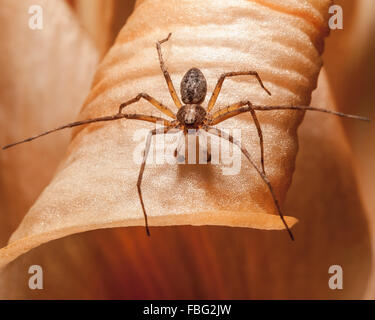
x,y
193,87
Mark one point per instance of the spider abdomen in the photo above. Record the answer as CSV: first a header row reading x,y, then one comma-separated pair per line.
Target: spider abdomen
x,y
193,87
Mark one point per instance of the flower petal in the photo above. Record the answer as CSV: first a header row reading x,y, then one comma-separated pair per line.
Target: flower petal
x,y
96,183
45,76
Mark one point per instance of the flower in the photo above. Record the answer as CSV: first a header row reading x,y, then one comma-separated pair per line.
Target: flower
x,y
92,188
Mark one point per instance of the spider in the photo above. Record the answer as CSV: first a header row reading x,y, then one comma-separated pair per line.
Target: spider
x,y
191,115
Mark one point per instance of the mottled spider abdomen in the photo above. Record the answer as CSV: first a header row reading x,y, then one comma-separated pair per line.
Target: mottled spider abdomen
x,y
193,87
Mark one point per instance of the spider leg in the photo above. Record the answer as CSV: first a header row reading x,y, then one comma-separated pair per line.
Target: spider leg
x,y
164,130
150,99
167,77
219,84
226,113
219,117
308,108
204,149
230,138
180,143
117,116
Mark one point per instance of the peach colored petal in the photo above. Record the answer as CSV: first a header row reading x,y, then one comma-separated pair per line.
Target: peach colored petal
x,y
45,76
95,185
349,60
103,19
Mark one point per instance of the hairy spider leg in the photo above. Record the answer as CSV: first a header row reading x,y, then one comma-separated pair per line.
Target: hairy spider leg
x,y
224,114
237,109
203,149
142,169
219,84
180,144
222,134
206,148
118,116
167,77
150,99
246,106
308,108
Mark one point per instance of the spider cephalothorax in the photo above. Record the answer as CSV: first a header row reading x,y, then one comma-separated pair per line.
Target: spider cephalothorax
x,y
192,115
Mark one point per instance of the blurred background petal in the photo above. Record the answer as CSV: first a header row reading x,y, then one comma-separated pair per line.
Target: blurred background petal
x,y
350,62
45,76
102,19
